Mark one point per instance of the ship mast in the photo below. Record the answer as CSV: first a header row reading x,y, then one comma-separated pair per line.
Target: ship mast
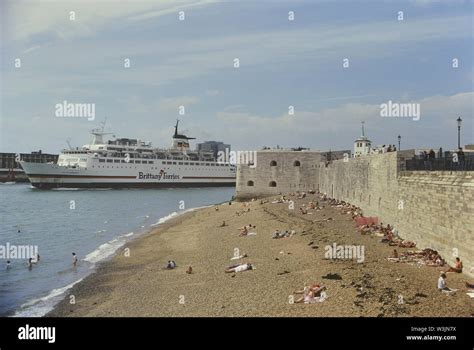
x,y
99,133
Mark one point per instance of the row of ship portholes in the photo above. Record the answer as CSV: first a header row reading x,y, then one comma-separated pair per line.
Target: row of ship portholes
x,y
295,163
270,184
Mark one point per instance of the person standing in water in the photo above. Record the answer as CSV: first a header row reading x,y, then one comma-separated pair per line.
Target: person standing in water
x,y
74,259
30,264
8,266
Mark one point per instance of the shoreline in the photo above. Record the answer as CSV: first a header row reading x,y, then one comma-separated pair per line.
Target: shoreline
x,y
61,292
138,286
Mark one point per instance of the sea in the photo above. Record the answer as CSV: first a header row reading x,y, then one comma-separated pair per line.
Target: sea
x,y
91,223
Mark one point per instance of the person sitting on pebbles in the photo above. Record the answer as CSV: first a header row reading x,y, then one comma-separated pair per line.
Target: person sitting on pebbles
x,y
457,266
170,265
394,256
244,232
442,284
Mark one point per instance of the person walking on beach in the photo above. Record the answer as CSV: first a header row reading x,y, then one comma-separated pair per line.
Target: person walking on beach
x,y
74,259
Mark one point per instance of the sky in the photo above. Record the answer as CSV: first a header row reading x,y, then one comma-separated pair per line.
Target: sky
x,y
336,63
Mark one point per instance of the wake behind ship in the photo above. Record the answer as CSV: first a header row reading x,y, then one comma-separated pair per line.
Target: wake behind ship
x,y
131,163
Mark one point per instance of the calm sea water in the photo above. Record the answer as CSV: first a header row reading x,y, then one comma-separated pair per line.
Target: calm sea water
x,y
91,223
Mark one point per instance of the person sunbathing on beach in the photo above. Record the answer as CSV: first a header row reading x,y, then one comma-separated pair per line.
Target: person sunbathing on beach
x,y
276,234
303,211
457,266
311,294
406,244
469,285
238,268
189,270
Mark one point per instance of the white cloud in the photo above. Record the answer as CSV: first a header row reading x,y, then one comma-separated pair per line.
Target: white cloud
x,y
340,125
191,57
27,18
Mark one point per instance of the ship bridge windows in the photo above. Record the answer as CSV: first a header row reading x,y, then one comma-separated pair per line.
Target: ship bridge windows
x,y
101,160
109,160
186,163
169,163
180,163
116,160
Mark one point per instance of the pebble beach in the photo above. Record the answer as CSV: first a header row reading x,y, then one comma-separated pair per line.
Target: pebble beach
x,y
134,283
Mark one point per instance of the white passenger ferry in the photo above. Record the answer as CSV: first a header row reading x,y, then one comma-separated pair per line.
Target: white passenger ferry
x,y
131,163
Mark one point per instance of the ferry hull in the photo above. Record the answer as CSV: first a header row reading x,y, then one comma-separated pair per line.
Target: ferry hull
x,y
50,176
128,185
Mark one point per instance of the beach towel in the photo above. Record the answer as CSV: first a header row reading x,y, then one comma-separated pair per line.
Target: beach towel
x,y
361,221
237,257
251,234
471,294
319,299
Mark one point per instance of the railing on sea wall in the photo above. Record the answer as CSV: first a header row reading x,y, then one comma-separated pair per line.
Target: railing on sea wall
x,y
462,163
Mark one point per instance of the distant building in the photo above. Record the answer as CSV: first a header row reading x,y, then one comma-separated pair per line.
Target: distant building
x,y
362,145
468,148
10,169
213,146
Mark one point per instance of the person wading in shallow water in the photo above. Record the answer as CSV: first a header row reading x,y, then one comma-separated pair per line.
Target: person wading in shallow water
x,y
74,259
